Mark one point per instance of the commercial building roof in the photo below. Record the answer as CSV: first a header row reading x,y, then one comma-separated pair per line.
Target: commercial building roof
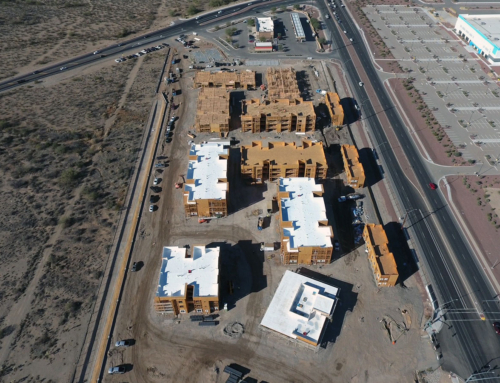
x,y
352,156
297,26
254,107
264,45
305,211
208,170
301,307
200,270
487,25
282,153
264,24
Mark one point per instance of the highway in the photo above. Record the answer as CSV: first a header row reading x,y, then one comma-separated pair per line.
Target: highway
x,y
133,45
443,247
455,273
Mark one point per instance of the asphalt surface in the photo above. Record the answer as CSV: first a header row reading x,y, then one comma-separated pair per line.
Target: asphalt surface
x,y
472,344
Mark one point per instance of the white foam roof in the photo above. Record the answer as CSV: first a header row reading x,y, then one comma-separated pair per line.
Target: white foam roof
x,y
304,210
265,24
488,25
206,170
300,306
200,270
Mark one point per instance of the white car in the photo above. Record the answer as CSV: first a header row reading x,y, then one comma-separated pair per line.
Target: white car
x,y
63,68
361,83
96,52
249,4
156,181
151,208
351,39
345,32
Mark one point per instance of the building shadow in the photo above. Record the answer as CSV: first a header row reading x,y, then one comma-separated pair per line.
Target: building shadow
x,y
398,245
346,301
241,271
351,115
306,27
258,81
373,173
241,193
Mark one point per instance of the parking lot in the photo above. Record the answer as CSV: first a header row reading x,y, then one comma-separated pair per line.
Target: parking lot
x,y
448,76
240,42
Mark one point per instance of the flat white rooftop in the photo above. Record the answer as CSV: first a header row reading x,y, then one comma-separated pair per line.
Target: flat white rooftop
x,y
300,307
201,270
265,24
487,25
207,170
304,210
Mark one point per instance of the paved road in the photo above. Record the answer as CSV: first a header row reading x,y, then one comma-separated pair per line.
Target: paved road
x,y
475,344
132,45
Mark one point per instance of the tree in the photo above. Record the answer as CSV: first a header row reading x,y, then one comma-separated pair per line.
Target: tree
x,y
273,10
296,7
322,41
280,47
229,32
192,10
68,178
262,39
315,23
283,8
251,22
236,45
172,13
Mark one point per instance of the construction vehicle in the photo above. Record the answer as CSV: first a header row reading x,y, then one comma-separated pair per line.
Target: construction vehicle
x,y
260,223
180,181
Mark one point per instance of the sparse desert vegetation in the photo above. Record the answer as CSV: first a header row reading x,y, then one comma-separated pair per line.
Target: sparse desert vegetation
x,y
67,152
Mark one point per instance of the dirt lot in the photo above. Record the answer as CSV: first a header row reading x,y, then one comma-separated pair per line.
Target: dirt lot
x,y
68,149
37,32
357,348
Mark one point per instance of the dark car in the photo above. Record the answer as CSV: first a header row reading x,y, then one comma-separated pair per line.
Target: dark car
x,y
433,186
156,189
134,267
337,245
496,326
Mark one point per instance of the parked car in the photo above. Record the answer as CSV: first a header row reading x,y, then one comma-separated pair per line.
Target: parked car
x,y
336,244
159,165
342,198
361,83
134,268
116,370
156,181
151,208
496,326
354,196
124,343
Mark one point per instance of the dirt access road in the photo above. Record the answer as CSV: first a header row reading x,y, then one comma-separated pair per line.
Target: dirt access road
x,y
176,350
